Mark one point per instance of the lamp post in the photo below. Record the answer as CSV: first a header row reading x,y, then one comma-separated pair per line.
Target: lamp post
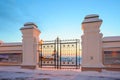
x,y
41,42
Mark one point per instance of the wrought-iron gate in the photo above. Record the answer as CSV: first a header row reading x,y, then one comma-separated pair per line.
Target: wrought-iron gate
x,y
60,53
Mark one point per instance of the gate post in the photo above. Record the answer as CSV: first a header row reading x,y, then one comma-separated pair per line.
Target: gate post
x,y
91,43
30,45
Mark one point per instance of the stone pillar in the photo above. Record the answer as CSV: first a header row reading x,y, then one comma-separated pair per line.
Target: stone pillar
x,y
30,34
91,43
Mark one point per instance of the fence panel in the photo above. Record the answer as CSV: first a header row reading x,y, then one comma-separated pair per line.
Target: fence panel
x,y
60,54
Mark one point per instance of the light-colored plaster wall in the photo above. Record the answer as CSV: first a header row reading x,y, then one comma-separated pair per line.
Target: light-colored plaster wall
x,y
111,43
11,48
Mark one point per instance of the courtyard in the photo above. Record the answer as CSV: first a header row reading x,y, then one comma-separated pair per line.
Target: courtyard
x,y
16,73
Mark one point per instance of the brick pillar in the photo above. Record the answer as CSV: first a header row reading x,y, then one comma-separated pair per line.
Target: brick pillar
x,y
91,43
30,34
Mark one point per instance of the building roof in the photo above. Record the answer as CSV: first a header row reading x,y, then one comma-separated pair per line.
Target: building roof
x,y
111,38
13,44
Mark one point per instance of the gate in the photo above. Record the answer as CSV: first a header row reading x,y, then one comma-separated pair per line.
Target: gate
x,y
60,53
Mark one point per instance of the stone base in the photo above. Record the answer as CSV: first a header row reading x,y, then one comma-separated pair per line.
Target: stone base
x,y
99,69
91,69
9,64
111,69
28,66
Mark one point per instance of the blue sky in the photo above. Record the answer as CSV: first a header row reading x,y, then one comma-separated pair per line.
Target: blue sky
x,y
54,18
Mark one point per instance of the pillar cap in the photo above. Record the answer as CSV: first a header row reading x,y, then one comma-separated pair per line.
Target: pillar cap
x,y
91,18
29,25
1,42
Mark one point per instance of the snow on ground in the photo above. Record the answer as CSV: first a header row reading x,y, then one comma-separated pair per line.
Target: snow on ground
x,y
16,73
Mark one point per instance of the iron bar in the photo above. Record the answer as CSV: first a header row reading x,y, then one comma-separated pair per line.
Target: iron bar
x,y
76,53
60,54
57,52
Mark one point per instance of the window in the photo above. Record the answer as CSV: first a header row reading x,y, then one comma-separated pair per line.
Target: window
x,y
111,57
11,57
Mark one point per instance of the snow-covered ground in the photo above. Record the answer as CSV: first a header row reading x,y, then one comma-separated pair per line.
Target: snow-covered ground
x,y
16,73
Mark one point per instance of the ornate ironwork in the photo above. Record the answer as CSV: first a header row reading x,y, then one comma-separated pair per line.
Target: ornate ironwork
x,y
60,53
